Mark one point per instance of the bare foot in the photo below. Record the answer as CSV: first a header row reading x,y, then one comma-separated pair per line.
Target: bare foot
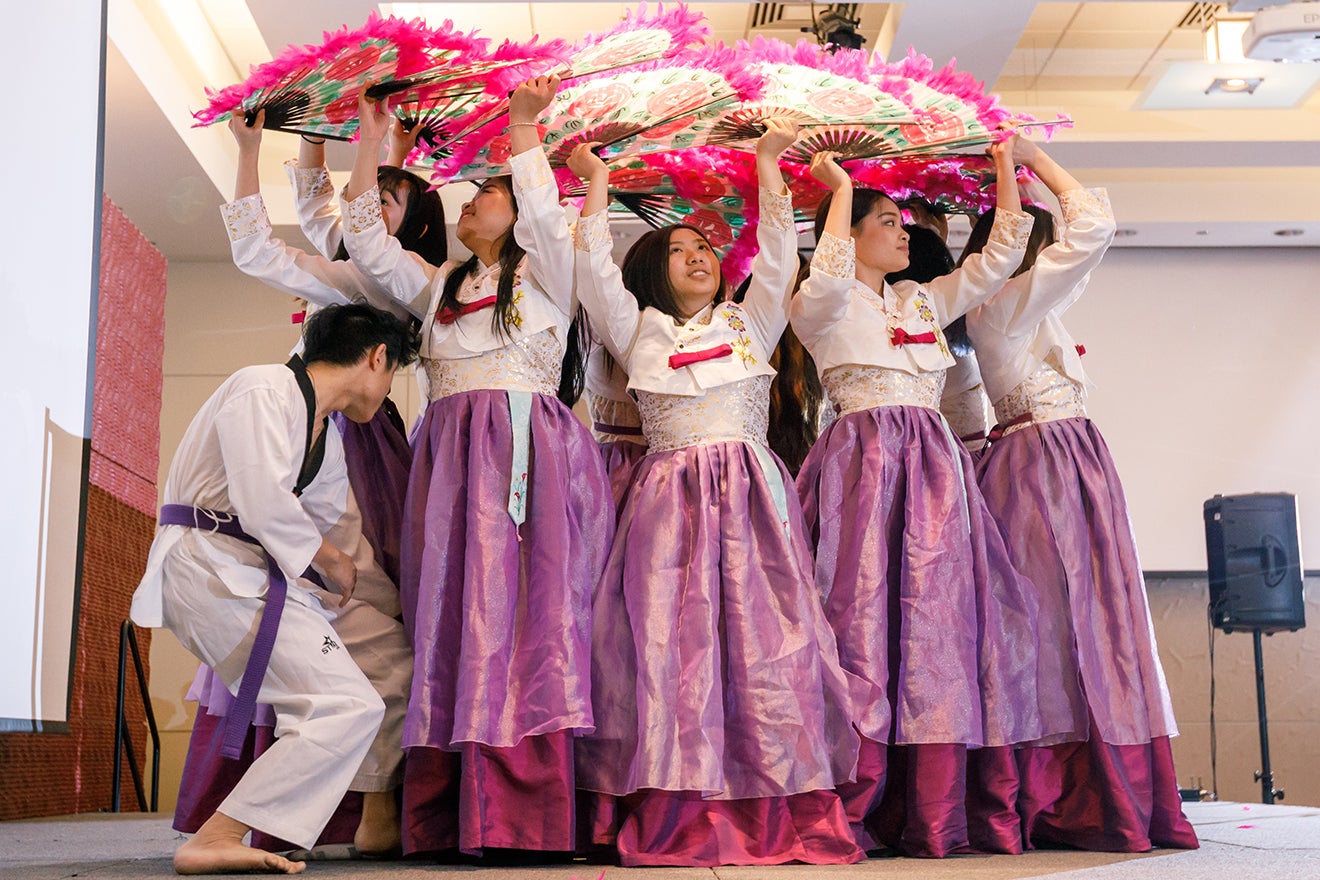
x,y
218,848
378,832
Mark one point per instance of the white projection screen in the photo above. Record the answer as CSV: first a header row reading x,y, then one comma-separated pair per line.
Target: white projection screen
x,y
50,232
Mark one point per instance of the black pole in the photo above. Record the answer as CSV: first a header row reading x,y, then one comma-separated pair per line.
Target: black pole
x,y
119,719
1265,776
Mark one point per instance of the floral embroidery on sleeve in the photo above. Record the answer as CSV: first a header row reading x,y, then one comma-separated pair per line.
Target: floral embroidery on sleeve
x,y
1079,203
776,209
1012,229
245,216
835,257
310,183
531,170
363,212
592,233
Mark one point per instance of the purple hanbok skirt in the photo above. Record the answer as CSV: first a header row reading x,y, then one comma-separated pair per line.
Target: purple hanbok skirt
x,y
1055,490
716,685
500,615
621,460
208,777
379,458
934,623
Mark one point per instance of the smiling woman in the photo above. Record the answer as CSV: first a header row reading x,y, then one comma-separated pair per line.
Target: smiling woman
x,y
709,648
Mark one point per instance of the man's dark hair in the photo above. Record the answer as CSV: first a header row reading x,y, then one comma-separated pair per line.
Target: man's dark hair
x,y
346,334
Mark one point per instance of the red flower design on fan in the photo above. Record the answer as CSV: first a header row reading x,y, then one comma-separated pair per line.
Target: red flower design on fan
x,y
498,151
939,125
841,102
676,98
661,132
615,56
342,109
713,226
359,62
599,100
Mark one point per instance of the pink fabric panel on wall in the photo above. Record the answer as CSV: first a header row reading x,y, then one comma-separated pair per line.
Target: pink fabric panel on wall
x,y
130,346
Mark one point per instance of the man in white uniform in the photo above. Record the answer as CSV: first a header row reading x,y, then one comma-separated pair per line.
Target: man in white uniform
x,y
257,494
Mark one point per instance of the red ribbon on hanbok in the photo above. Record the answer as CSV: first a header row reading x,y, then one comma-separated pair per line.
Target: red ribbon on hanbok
x,y
449,316
902,337
298,317
682,359
1081,349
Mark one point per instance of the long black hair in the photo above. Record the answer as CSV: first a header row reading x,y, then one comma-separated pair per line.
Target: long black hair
x,y
1042,236
863,202
572,374
423,228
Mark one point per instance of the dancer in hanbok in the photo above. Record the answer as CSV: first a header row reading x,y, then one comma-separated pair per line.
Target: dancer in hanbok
x,y
722,716
508,516
1051,483
932,621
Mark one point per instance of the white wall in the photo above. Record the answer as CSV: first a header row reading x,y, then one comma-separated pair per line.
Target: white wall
x,y
1206,367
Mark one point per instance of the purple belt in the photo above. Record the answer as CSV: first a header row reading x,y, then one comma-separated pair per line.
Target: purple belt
x,y
621,430
245,704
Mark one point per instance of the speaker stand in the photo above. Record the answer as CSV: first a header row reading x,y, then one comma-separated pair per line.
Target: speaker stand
x,y
1265,776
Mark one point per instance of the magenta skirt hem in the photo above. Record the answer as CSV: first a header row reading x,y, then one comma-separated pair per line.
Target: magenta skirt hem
x,y
681,829
519,798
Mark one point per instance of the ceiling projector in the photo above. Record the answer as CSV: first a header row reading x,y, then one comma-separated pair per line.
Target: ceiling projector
x,y
1284,33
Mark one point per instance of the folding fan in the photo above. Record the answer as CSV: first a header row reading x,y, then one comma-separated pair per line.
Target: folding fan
x,y
314,89
829,95
453,115
662,106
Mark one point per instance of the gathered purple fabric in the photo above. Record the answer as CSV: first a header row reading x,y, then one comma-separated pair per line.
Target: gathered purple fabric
x,y
1058,496
1055,491
684,829
378,458
713,668
621,460
500,615
933,621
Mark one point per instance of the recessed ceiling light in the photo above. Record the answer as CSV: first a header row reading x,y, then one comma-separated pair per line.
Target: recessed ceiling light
x,y
1289,233
1124,233
1235,85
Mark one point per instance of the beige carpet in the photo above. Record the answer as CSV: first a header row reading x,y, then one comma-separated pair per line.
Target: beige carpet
x,y
1238,842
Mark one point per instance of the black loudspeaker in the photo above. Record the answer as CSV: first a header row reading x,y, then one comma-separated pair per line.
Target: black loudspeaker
x,y
1254,563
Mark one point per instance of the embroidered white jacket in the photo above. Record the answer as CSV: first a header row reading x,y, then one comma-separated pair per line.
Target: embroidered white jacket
x,y
841,321
543,293
644,341
1020,327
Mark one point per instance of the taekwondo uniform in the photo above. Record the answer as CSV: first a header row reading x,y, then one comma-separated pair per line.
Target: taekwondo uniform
x,y
337,678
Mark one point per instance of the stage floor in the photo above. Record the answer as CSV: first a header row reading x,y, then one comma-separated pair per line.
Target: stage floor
x,y
1238,842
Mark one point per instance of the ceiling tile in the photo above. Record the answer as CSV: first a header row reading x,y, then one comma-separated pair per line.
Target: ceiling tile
x,y
1096,62
1129,16
1051,18
1110,40
1026,62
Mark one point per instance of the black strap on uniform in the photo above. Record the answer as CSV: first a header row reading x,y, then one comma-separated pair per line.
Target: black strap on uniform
x,y
313,453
